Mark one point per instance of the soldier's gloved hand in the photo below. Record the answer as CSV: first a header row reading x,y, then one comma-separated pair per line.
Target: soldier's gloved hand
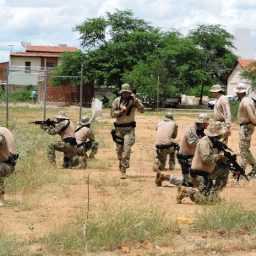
x,y
43,127
123,109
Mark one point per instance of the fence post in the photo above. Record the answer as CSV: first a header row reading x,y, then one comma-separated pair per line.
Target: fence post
x,y
45,90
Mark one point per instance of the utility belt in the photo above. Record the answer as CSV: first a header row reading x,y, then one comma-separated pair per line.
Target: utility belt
x,y
87,144
12,159
131,124
165,146
183,156
245,123
70,140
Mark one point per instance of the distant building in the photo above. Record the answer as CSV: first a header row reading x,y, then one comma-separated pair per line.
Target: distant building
x,y
26,66
235,77
3,72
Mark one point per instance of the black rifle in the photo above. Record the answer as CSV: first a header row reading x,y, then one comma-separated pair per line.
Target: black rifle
x,y
87,144
234,166
47,122
127,103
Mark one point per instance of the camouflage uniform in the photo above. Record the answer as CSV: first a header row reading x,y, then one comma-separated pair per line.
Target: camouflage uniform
x,y
186,152
85,139
8,158
247,120
66,130
166,131
222,111
123,109
206,166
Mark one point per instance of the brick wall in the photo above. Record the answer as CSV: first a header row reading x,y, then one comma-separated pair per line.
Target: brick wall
x,y
68,94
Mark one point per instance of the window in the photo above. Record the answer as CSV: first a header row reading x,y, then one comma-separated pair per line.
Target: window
x,y
27,66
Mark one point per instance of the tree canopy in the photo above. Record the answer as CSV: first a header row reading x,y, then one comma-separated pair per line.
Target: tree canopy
x,y
120,48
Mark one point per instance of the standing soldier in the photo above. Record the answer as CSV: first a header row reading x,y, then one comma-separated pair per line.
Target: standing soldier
x,y
187,150
123,109
166,131
8,158
247,121
85,139
222,110
206,161
66,130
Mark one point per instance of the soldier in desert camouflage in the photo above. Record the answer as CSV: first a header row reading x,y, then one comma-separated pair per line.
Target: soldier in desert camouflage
x,y
186,152
221,110
85,139
206,162
166,132
65,129
123,109
8,158
247,121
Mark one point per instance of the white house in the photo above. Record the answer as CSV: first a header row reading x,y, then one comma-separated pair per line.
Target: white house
x,y
25,66
235,77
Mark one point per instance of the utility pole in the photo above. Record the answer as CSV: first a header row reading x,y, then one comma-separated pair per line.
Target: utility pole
x,y
81,90
157,96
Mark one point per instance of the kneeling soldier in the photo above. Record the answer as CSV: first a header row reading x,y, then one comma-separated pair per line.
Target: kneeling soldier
x,y
65,129
207,161
85,139
8,158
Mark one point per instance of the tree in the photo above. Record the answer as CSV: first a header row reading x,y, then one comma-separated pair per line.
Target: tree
x,y
250,74
218,60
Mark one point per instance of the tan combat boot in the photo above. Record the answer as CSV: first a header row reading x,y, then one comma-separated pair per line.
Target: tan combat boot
x,y
160,177
182,193
1,200
123,173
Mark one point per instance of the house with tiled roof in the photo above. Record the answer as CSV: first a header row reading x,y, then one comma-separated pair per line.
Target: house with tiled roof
x,y
235,76
26,66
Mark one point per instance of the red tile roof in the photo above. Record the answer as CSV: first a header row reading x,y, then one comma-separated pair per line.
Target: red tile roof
x,y
245,62
35,54
57,49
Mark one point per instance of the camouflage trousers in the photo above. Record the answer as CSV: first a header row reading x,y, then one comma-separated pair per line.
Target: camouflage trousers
x,y
246,132
124,151
68,150
200,194
5,171
160,160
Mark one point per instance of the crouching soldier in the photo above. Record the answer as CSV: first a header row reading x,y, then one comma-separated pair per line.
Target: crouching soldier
x,y
207,162
166,131
85,139
123,109
65,129
8,158
186,152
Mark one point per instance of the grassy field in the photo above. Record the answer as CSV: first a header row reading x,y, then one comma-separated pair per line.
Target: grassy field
x,y
55,211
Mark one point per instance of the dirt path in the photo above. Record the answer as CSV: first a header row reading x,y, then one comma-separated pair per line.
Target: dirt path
x,y
32,216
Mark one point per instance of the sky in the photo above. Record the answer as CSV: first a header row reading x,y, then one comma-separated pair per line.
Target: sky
x,y
52,22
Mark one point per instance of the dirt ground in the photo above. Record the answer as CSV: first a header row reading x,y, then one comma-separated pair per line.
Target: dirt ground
x,y
31,216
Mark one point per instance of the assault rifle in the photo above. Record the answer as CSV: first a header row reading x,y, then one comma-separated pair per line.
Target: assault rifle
x,y
48,122
127,103
234,166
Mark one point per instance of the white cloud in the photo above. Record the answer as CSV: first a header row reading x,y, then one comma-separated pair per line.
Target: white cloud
x,y
52,22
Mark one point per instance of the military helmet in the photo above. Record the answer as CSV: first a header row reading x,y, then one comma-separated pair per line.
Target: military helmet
x,y
168,115
202,118
85,120
125,88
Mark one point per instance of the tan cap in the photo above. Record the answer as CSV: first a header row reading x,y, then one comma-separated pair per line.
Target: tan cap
x,y
61,115
215,129
216,88
203,118
125,88
168,115
241,88
85,120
